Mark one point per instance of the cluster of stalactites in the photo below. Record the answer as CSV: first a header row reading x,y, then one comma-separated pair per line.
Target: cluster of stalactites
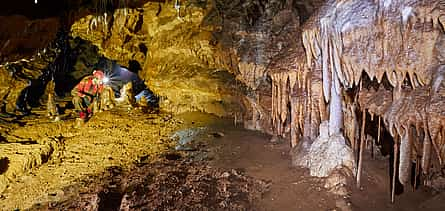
x,y
398,38
416,120
401,40
297,104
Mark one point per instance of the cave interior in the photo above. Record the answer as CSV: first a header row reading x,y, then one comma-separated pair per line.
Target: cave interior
x,y
349,93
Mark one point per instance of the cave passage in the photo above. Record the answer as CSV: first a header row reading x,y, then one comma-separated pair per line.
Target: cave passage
x,y
222,105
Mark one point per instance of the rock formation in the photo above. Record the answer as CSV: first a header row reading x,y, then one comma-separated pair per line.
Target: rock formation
x,y
285,67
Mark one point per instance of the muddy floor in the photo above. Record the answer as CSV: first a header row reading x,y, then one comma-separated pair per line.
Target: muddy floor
x,y
294,189
131,160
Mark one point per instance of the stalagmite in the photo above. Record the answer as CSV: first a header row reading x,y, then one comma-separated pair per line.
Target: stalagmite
x,y
294,129
384,41
335,107
51,105
426,153
378,131
362,145
394,173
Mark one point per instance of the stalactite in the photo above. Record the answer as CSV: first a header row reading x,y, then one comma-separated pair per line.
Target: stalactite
x,y
294,124
426,152
416,173
301,111
405,161
273,102
362,145
379,131
325,59
434,132
280,102
350,119
353,126
335,107
284,99
394,173
306,108
336,43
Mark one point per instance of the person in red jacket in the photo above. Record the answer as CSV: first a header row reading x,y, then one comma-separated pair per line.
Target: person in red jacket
x,y
86,92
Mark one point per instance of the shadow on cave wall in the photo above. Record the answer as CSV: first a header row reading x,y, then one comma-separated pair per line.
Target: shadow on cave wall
x,y
27,27
50,8
75,59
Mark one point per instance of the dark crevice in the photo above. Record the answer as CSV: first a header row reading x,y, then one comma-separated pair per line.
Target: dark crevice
x,y
385,147
4,165
110,200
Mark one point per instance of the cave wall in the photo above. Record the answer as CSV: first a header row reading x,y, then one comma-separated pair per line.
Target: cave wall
x,y
223,49
174,50
23,81
251,35
21,39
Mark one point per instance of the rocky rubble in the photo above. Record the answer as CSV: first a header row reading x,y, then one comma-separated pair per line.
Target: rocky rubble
x,y
167,185
191,186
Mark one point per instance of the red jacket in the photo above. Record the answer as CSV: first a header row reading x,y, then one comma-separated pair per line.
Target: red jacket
x,y
88,86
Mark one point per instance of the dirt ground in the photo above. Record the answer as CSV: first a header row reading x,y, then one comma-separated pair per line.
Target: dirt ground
x,y
294,189
375,191
136,161
109,139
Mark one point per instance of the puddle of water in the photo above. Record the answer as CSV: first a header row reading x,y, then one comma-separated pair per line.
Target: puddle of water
x,y
185,136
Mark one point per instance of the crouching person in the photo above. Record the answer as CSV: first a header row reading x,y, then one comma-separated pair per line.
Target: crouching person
x,y
85,93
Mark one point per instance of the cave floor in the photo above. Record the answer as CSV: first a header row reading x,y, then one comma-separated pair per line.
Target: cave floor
x,y
131,160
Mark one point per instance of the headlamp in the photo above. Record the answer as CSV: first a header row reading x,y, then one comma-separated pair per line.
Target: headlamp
x,y
105,80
